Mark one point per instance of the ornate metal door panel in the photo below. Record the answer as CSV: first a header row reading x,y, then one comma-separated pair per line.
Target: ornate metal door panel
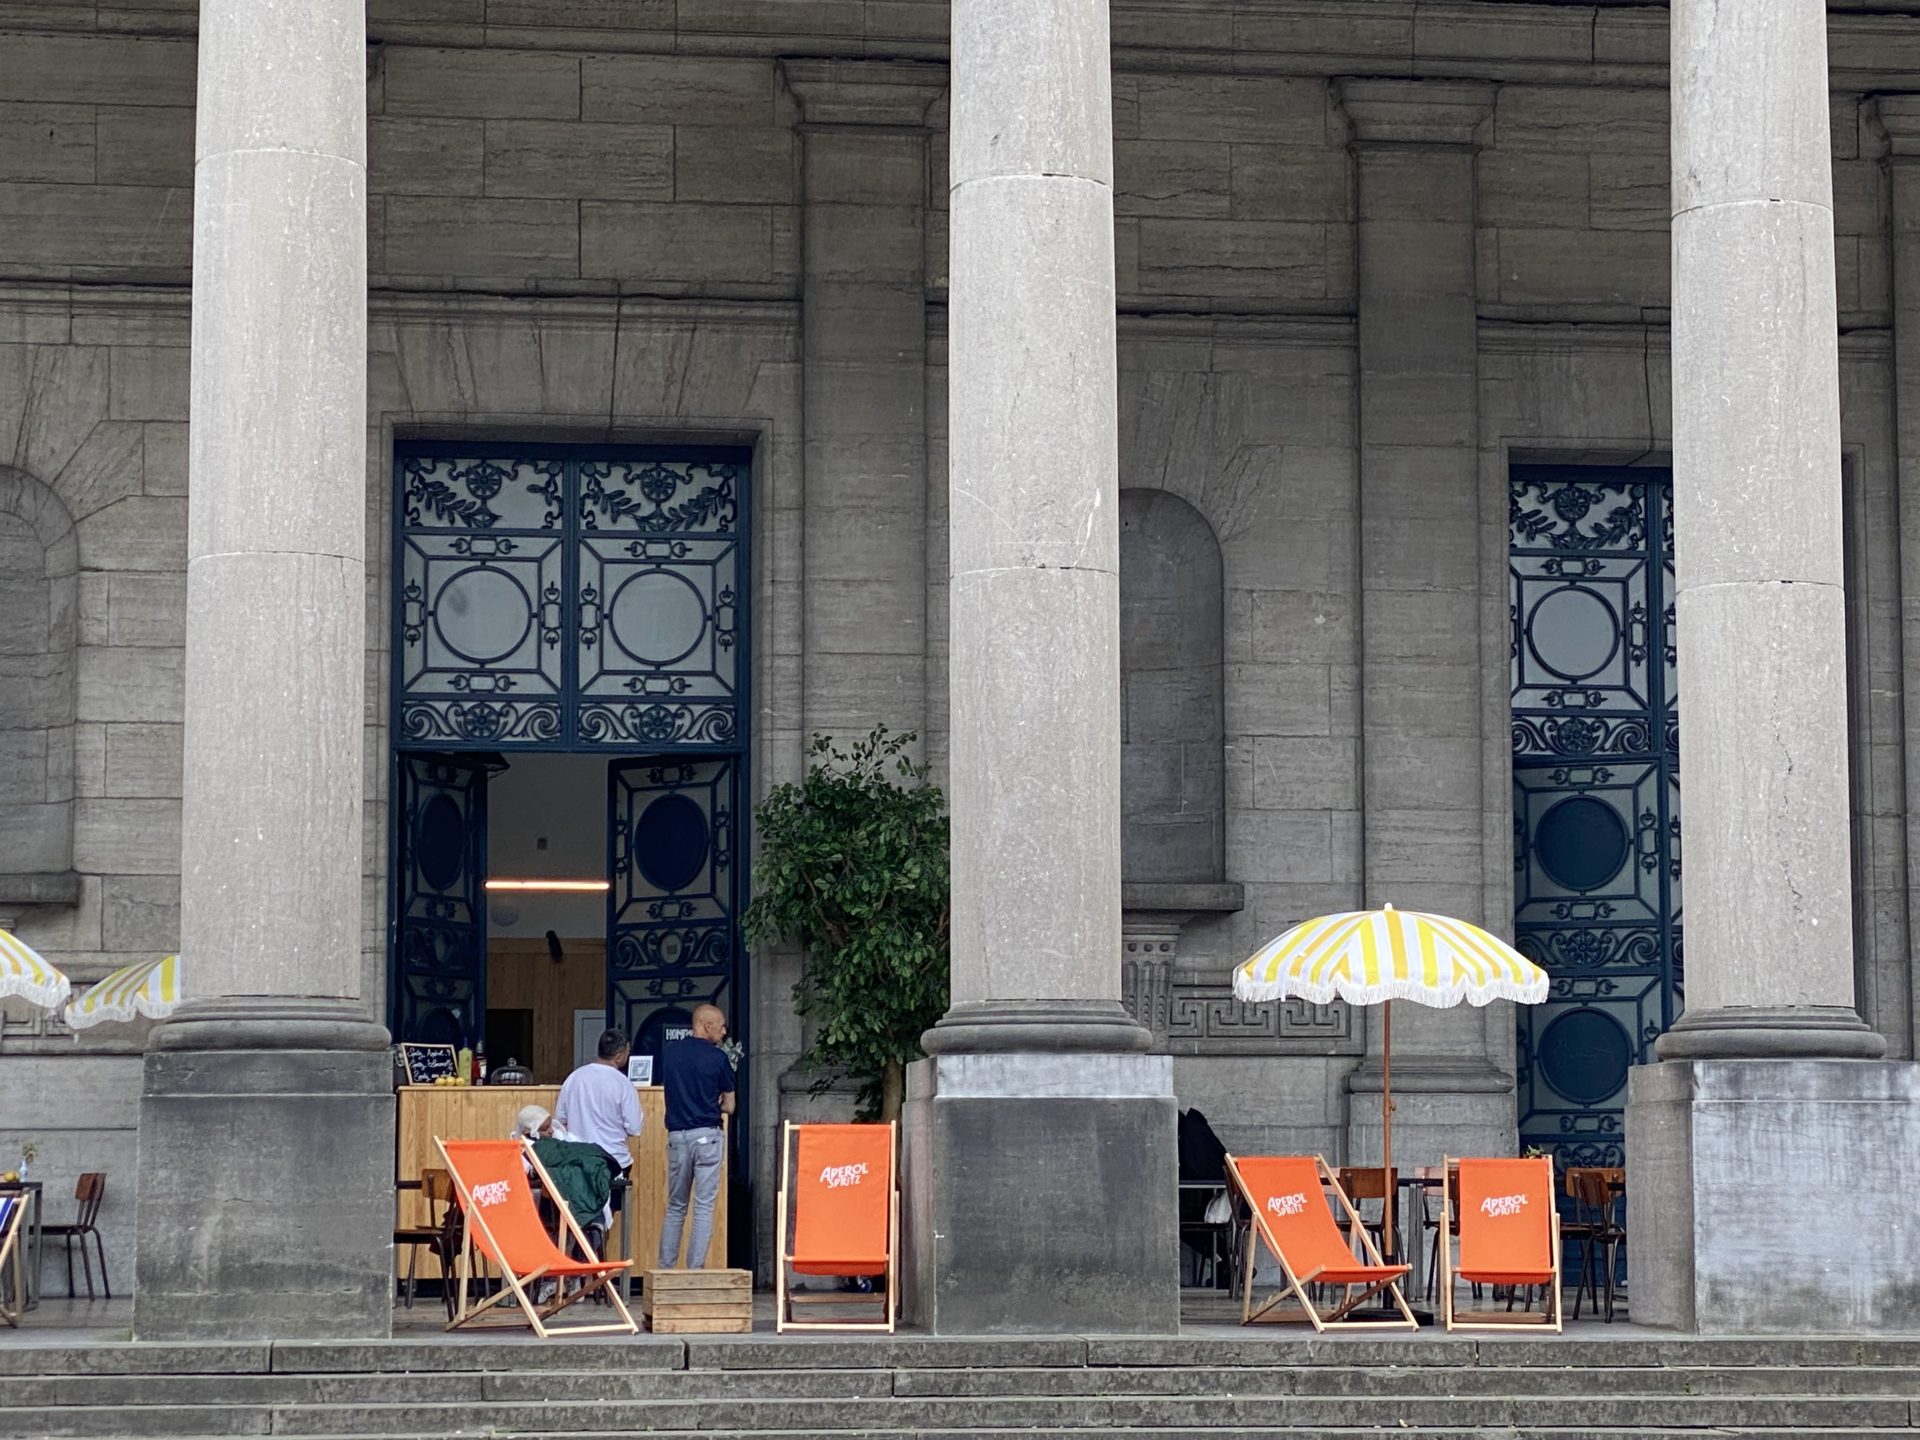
x,y
569,599
480,615
439,974
659,611
672,940
1596,793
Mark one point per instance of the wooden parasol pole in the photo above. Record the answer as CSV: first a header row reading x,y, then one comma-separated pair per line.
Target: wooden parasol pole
x,y
1386,1132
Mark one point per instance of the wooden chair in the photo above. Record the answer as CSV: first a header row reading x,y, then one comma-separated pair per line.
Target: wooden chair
x,y
436,1193
490,1179
1444,1224
1364,1185
13,1269
1595,1191
1287,1195
1508,1232
87,1193
839,1216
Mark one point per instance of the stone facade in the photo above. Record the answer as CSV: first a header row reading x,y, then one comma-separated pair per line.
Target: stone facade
x,y
619,219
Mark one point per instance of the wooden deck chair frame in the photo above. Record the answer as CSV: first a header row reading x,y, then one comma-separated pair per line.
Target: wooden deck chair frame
x,y
1548,1320
785,1297
519,1287
13,1265
1297,1284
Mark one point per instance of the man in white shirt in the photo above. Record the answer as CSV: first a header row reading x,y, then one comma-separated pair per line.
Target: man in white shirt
x,y
597,1105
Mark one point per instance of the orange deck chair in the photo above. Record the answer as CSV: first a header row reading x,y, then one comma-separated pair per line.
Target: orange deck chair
x,y
13,1270
1509,1235
503,1225
1287,1195
844,1218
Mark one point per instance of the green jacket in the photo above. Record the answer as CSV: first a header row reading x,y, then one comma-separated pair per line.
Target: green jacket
x,y
579,1173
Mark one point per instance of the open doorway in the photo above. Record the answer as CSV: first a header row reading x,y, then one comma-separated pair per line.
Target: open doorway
x,y
546,910
544,897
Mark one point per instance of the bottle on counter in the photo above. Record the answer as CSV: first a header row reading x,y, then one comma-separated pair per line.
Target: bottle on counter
x,y
463,1066
480,1064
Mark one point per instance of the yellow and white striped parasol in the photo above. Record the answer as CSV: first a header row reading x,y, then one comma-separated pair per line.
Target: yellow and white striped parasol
x,y
150,988
1374,957
1367,956
24,972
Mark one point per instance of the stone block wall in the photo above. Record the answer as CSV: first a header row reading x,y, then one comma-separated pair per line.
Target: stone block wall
x,y
586,222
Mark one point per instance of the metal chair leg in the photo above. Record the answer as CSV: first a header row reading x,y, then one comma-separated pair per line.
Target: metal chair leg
x,y
105,1285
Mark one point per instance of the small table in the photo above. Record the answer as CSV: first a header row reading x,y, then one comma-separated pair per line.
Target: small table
x,y
36,1238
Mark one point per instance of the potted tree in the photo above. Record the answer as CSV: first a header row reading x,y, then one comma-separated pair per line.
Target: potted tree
x,y
852,866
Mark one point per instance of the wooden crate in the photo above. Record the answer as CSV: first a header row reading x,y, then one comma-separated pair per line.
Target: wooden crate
x,y
699,1302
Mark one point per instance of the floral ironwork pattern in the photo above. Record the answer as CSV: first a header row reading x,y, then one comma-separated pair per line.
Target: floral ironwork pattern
x,y
672,940
551,598
1596,792
438,975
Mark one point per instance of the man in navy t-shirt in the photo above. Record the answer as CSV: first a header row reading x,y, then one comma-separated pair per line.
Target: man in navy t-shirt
x,y
699,1083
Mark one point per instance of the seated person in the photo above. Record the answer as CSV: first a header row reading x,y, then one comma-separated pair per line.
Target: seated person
x,y
575,1167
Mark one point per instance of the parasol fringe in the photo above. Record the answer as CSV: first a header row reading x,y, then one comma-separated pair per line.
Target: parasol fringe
x,y
1443,997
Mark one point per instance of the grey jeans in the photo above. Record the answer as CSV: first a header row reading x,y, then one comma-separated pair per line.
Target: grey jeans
x,y
693,1166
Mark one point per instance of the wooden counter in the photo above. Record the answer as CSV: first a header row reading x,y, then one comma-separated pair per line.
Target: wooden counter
x,y
487,1112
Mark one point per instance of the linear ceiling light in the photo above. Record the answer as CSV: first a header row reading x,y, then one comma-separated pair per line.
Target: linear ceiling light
x,y
572,886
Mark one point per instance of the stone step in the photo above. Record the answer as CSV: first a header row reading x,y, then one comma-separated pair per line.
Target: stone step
x,y
1375,1382
1594,1414
1412,1380
519,1352
1152,1433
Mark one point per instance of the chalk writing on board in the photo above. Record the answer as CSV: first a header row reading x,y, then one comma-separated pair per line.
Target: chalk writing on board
x,y
426,1063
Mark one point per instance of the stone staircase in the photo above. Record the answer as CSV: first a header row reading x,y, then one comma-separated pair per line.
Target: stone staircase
x,y
1212,1384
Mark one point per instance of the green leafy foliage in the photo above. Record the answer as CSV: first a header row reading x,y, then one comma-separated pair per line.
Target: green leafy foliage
x,y
852,866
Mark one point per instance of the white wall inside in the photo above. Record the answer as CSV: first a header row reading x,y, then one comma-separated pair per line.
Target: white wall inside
x,y
547,820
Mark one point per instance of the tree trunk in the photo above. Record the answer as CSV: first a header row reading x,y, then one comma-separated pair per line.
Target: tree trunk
x,y
893,1090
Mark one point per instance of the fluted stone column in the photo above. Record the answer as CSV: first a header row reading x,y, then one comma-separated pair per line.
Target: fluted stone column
x,y
1414,144
266,1119
1768,1085
1039,1099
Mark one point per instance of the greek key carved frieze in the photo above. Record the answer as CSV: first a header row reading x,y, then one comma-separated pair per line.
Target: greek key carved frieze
x,y
1206,1019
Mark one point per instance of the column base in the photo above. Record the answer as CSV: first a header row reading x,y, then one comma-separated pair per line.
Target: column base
x,y
266,1174
1440,1108
1041,1194
1753,1032
1048,1027
1773,1196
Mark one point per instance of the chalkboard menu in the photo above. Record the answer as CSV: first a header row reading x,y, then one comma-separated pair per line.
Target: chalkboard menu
x,y
428,1063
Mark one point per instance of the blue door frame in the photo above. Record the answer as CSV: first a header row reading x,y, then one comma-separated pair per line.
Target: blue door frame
x,y
571,599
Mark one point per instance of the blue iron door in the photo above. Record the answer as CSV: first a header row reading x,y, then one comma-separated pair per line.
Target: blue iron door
x,y
1596,793
672,938
439,975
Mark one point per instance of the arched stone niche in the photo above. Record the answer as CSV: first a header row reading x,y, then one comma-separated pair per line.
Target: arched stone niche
x,y
1172,743
1172,766
39,627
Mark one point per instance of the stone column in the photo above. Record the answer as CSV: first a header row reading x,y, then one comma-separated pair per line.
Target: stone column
x,y
266,1123
864,319
1899,117
1414,145
1768,1084
1039,1099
